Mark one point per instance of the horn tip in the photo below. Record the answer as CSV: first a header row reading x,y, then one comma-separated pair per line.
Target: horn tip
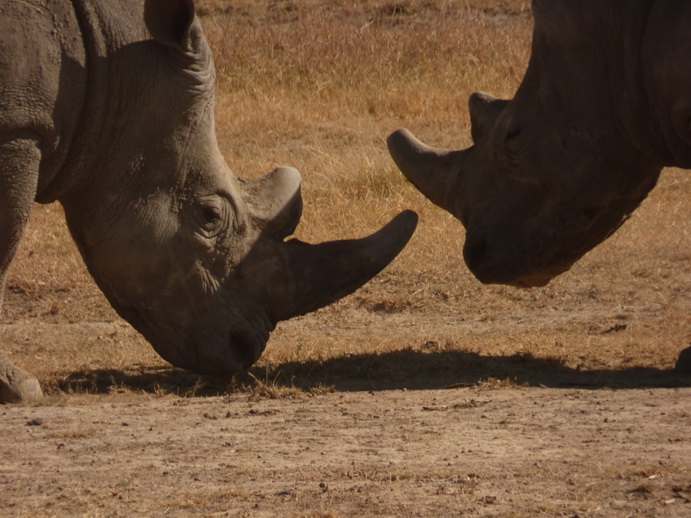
x,y
395,235
289,177
408,219
400,140
401,227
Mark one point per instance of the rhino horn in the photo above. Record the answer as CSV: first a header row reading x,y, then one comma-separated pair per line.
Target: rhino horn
x,y
484,111
275,201
435,172
323,273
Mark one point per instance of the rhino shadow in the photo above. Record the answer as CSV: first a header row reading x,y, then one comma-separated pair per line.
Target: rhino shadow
x,y
396,370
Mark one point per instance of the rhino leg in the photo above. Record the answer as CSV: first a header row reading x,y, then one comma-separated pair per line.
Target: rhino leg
x,y
19,169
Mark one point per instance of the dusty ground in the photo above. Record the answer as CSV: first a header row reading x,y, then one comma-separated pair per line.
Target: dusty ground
x,y
459,452
422,394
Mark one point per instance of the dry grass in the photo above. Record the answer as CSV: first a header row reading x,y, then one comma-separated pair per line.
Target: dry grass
x,y
318,85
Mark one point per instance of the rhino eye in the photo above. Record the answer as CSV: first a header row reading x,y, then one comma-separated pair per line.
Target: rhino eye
x,y
513,129
210,216
514,144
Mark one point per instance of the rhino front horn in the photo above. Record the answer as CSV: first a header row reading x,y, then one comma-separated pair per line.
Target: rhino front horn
x,y
435,172
325,272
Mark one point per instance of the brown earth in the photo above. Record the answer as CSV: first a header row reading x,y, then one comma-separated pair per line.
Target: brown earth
x,y
422,394
477,451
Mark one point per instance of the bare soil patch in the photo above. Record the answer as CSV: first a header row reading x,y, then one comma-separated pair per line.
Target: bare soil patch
x,y
479,451
422,394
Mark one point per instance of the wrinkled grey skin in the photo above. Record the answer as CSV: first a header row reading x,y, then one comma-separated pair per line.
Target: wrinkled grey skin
x,y
107,107
604,105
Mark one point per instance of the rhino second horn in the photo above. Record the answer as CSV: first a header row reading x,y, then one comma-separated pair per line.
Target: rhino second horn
x,y
433,171
326,272
276,201
484,111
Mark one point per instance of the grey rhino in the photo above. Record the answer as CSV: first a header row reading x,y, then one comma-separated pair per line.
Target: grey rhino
x,y
605,104
107,107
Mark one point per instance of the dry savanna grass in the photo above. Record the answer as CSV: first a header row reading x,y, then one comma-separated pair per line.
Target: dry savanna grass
x,y
319,85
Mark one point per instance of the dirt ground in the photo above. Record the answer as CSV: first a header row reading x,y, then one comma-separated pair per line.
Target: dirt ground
x,y
476,451
424,393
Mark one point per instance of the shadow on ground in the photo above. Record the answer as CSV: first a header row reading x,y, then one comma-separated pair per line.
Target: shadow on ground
x,y
405,369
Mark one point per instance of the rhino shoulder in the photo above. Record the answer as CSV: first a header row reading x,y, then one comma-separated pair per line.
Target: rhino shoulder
x,y
42,76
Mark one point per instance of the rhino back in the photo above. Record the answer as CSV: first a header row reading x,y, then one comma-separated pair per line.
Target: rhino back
x,y
42,77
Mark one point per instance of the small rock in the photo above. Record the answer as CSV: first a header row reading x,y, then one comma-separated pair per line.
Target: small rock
x,y
36,421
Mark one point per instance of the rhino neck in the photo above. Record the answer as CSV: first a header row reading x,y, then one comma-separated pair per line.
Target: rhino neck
x,y
605,71
99,40
73,165
666,48
42,94
630,65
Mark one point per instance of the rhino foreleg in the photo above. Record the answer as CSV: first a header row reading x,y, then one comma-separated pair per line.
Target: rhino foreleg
x,y
19,169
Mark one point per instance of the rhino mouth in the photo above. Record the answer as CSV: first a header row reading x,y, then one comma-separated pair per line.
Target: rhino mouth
x,y
198,347
539,279
534,279
248,345
497,265
223,350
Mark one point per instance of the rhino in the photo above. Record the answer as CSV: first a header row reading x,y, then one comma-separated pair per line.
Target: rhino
x,y
604,105
106,106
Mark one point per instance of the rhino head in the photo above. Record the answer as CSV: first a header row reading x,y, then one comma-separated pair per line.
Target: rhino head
x,y
193,257
558,168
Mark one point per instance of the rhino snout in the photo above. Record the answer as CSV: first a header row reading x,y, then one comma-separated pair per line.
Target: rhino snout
x,y
248,345
503,263
487,264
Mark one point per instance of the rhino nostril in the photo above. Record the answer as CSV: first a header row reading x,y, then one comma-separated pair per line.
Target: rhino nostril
x,y
474,252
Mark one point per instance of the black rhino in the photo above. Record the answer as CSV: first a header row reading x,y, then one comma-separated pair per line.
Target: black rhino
x,y
605,104
107,107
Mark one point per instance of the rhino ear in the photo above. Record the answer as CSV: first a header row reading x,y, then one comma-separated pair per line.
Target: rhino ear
x,y
170,21
484,110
